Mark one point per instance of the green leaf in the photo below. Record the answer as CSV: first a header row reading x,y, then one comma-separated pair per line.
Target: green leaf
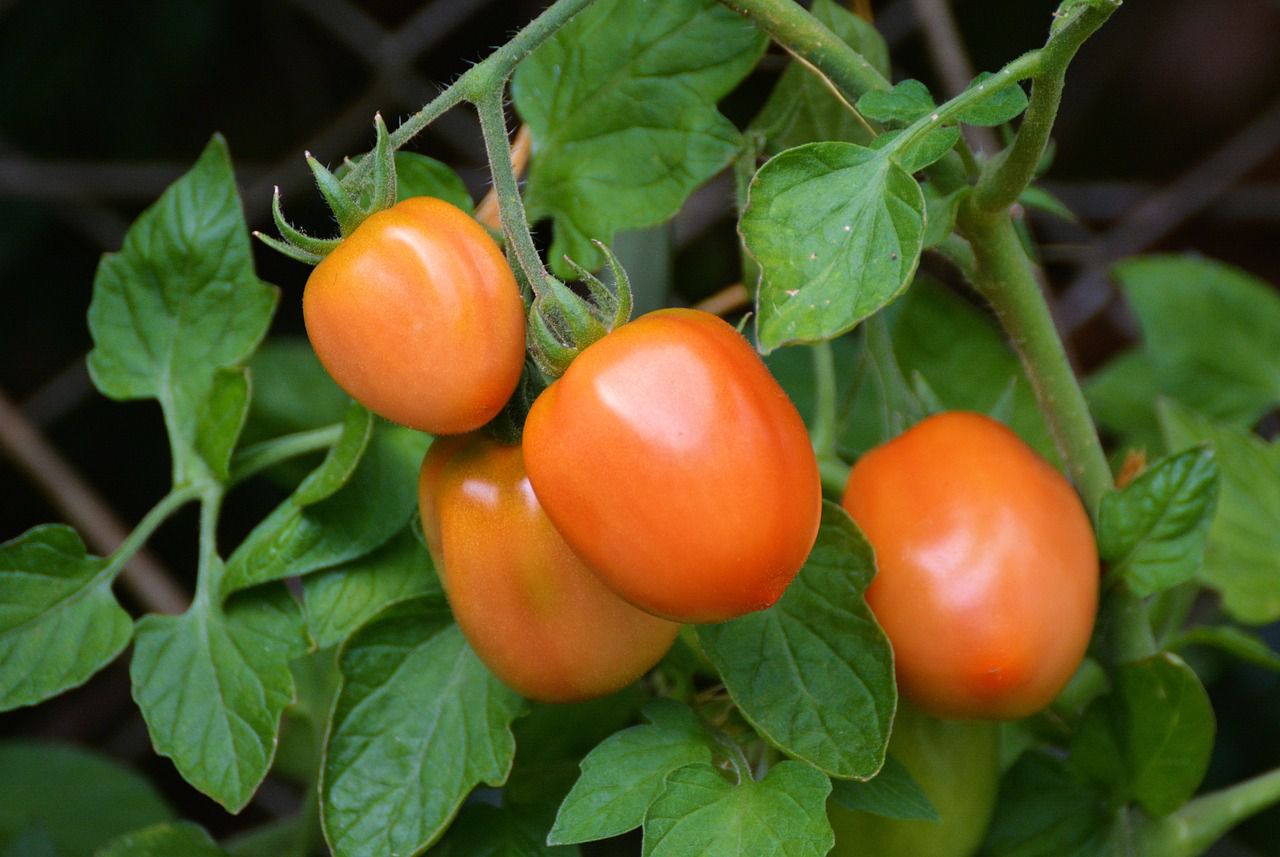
x,y
165,840
1242,560
339,601
1153,531
624,775
940,213
80,800
891,793
221,420
212,684
326,522
700,812
418,723
814,672
292,392
908,101
1150,738
837,230
1039,199
482,830
34,841
59,622
1044,811
622,104
1006,104
1122,398
923,152
802,108
1212,333
178,303
1234,641
418,175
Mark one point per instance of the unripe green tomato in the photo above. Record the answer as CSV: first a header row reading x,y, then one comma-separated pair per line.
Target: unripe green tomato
x,y
957,763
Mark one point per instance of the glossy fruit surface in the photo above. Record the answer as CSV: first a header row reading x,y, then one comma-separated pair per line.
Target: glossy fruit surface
x,y
538,618
418,317
957,764
674,464
988,572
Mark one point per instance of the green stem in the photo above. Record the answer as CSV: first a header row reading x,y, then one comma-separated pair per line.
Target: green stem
x,y
258,457
824,413
515,224
1007,279
1191,830
209,570
160,512
1009,173
834,474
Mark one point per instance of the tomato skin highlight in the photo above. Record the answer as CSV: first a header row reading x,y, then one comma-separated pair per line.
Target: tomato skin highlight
x,y
417,316
988,570
957,763
538,618
675,465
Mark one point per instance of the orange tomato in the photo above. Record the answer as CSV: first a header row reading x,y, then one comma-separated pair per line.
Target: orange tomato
x,y
674,464
988,572
536,616
417,315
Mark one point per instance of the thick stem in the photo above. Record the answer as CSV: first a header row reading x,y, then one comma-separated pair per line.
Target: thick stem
x,y
1010,173
1191,830
1007,279
515,224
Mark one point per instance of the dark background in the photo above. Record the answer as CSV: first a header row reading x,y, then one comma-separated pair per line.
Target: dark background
x,y
1169,139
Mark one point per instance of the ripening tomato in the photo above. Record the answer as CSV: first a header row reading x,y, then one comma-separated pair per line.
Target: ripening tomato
x,y
957,765
674,464
988,572
417,315
538,618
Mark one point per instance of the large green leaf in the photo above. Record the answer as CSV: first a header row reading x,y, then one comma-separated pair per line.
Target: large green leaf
x,y
176,305
625,774
837,231
622,104
483,830
212,684
1153,531
59,621
892,793
814,672
1242,560
1122,398
700,812
418,723
1044,811
418,175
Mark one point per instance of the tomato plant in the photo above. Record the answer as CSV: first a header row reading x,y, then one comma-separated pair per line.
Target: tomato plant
x,y
417,315
534,613
988,573
702,498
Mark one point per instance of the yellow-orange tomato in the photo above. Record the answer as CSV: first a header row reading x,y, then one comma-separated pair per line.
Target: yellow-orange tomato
x,y
416,314
988,572
674,464
536,616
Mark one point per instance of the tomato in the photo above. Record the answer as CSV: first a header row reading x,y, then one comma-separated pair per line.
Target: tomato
x,y
538,618
957,764
674,464
417,315
988,573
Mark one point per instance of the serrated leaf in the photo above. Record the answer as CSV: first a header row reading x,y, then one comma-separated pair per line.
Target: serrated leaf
x,y
80,800
1211,331
1153,531
374,504
59,621
179,302
908,101
212,684
340,600
418,723
1044,811
165,840
622,105
700,812
802,108
1236,642
625,774
1005,104
892,793
482,830
1242,560
814,672
837,230
419,175
1150,738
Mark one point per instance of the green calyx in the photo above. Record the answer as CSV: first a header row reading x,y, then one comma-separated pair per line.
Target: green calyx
x,y
563,323
375,191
